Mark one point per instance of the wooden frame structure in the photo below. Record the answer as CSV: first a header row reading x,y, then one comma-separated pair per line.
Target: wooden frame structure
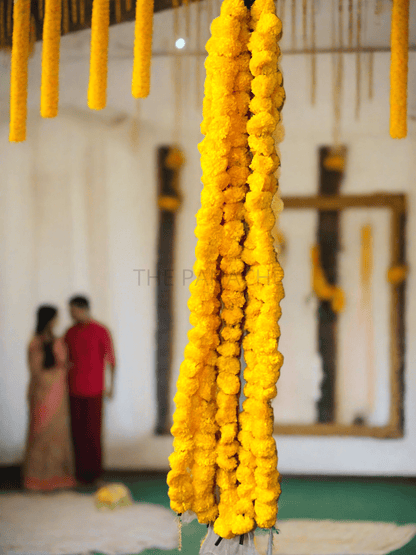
x,y
397,205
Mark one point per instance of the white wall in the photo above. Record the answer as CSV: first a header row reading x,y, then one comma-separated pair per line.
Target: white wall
x,y
78,212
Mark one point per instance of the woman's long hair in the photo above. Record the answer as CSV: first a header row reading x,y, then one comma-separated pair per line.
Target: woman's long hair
x,y
45,314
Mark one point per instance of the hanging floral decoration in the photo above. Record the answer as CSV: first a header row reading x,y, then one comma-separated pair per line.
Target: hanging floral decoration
x,y
399,68
224,464
56,14
97,87
19,70
142,48
49,95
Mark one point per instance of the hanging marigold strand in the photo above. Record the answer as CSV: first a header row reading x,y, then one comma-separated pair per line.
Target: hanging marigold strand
x,y
19,70
97,87
264,278
235,106
49,96
142,48
399,68
193,461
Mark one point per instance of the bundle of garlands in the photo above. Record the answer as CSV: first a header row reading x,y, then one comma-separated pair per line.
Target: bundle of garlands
x,y
224,464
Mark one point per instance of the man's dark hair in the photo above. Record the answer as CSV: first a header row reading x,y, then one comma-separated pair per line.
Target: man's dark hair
x,y
79,301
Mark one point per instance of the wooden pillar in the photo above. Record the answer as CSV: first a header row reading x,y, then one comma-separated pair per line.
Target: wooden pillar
x,y
168,200
328,239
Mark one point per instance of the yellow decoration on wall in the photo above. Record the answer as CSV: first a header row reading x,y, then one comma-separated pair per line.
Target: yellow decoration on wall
x,y
143,32
399,68
397,274
49,96
322,289
19,70
334,162
170,204
175,158
97,87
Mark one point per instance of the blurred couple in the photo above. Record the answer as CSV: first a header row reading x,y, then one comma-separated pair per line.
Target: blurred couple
x,y
66,389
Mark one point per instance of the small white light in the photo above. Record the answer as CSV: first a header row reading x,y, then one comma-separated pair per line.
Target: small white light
x,y
180,43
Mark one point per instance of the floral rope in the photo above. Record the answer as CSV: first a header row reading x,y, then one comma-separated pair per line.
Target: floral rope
x,y
234,102
97,87
399,68
264,279
19,70
142,48
49,96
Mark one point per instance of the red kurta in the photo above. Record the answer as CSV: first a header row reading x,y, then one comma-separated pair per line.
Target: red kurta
x,y
89,348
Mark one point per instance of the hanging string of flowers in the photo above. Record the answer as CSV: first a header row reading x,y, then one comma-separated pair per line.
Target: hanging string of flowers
x,y
97,87
19,70
399,68
238,149
49,95
142,48
264,277
236,105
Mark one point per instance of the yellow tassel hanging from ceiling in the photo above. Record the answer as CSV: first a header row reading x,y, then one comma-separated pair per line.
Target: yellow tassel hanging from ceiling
x,y
49,95
399,68
19,70
97,87
143,31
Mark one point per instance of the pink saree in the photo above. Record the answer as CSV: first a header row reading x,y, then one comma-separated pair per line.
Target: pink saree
x,y
48,462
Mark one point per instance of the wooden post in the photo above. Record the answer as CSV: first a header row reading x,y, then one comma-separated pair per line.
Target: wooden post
x,y
330,178
168,200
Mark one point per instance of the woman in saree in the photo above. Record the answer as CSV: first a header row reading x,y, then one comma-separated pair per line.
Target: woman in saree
x,y
48,462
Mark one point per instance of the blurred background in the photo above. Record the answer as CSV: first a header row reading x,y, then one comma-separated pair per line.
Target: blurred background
x,y
79,213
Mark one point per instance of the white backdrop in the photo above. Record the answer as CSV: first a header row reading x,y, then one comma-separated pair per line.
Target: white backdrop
x,y
78,214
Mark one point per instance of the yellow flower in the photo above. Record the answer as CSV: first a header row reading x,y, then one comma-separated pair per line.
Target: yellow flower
x,y
19,70
49,96
399,68
143,32
97,87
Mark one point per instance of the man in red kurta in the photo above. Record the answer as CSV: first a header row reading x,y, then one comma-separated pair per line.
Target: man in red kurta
x,y
90,349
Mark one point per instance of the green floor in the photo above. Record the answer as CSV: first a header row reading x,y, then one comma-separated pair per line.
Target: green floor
x,y
304,498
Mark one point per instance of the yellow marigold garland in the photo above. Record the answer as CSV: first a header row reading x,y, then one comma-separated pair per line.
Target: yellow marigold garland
x,y
142,48
243,466
399,68
257,471
233,101
19,70
49,95
97,87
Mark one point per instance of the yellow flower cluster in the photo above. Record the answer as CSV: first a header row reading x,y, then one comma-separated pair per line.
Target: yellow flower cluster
x,y
49,90
322,289
237,277
19,70
97,86
234,103
257,472
142,48
399,68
